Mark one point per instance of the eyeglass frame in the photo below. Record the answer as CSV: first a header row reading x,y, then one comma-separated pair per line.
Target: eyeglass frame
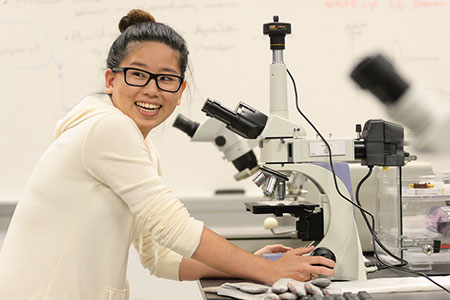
x,y
152,76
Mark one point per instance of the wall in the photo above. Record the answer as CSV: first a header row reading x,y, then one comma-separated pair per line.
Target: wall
x,y
53,53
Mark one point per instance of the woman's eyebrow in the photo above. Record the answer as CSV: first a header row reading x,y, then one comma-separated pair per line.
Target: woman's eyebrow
x,y
169,70
140,64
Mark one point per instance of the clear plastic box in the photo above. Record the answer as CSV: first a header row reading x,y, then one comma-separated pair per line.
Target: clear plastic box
x,y
414,220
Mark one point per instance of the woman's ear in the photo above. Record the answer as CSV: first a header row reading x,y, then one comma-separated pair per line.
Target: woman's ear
x,y
109,81
182,88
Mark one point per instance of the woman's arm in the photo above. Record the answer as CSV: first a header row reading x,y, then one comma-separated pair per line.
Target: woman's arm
x,y
219,254
191,269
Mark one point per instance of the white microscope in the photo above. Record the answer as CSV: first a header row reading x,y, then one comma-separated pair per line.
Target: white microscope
x,y
287,158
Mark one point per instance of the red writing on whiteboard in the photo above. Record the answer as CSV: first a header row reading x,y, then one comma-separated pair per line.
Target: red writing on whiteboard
x,y
429,3
398,4
354,4
392,4
404,4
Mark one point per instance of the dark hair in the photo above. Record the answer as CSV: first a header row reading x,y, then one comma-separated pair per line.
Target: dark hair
x,y
140,26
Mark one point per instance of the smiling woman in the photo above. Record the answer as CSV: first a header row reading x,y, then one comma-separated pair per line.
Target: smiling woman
x,y
98,188
135,93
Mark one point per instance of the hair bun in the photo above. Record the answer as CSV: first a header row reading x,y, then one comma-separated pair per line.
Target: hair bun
x,y
135,16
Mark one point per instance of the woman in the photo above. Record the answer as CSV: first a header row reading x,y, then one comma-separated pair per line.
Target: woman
x,y
98,188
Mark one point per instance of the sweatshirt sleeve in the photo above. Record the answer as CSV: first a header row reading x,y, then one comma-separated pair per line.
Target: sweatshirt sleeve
x,y
160,261
115,153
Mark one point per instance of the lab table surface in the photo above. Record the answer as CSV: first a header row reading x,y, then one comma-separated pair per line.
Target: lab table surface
x,y
426,295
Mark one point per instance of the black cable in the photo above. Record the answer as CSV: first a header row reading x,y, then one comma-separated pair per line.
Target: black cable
x,y
372,227
358,205
330,158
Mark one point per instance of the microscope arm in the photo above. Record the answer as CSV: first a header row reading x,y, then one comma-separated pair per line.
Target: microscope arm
x,y
339,228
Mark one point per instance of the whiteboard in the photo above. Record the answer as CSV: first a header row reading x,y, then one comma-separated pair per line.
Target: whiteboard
x,y
53,53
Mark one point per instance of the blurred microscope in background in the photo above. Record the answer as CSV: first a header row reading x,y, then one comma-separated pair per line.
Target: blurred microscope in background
x,y
426,117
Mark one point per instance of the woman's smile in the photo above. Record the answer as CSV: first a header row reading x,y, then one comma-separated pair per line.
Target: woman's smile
x,y
148,109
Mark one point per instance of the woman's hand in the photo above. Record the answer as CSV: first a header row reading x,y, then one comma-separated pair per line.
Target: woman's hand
x,y
294,264
277,248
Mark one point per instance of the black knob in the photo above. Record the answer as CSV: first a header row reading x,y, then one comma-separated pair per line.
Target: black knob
x,y
220,140
325,252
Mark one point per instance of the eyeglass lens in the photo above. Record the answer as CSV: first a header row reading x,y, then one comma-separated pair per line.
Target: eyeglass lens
x,y
165,82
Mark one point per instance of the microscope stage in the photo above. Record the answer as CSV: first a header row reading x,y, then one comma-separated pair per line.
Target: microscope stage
x,y
278,208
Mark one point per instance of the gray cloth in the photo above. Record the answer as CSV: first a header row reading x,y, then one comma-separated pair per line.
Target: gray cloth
x,y
254,288
296,289
247,291
283,289
312,289
321,282
287,296
281,285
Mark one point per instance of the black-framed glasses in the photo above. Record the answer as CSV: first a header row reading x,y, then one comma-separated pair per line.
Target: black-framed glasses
x,y
137,77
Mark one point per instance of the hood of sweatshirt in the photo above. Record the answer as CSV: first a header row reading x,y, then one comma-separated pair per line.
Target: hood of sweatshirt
x,y
89,107
92,106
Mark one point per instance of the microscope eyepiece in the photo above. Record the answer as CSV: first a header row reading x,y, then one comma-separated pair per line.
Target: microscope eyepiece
x,y
245,121
376,74
184,124
215,110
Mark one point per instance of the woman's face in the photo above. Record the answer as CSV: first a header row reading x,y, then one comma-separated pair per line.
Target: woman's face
x,y
148,106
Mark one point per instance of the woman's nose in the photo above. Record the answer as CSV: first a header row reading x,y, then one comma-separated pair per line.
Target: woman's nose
x,y
151,87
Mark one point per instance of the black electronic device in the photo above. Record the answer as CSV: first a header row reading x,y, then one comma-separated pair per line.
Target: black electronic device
x,y
381,144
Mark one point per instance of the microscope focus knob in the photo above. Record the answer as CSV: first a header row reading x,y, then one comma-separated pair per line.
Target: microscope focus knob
x,y
325,252
220,141
270,223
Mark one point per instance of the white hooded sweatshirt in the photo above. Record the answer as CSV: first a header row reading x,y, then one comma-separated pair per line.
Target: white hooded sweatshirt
x,y
94,191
